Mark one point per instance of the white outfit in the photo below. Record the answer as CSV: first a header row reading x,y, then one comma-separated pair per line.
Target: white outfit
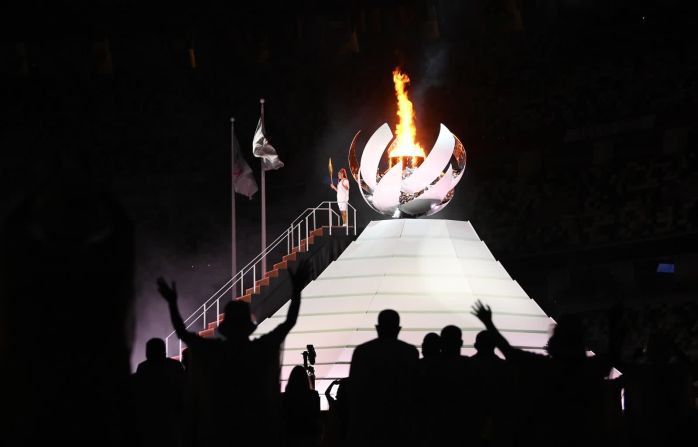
x,y
343,194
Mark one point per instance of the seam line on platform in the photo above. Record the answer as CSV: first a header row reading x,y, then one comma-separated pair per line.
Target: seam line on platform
x,y
416,294
359,312
417,329
417,275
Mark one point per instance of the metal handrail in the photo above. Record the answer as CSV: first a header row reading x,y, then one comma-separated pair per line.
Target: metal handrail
x,y
292,236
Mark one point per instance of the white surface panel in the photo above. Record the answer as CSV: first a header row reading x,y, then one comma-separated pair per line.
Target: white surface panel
x,y
430,271
461,230
382,229
375,146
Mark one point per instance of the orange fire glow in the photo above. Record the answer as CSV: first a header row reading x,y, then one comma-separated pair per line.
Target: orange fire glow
x,y
405,144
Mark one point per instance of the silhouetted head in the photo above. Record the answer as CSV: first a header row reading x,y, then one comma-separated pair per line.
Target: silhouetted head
x,y
237,321
431,345
388,324
568,339
484,343
298,381
451,340
342,174
155,350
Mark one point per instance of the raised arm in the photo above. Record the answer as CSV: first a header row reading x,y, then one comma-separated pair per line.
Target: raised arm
x,y
328,392
291,316
169,293
484,314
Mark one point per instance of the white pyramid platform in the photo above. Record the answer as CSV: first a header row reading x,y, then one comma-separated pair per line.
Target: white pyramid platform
x,y
429,271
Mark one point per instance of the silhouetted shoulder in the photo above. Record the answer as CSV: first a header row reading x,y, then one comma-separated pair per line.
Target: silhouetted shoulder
x,y
174,366
408,348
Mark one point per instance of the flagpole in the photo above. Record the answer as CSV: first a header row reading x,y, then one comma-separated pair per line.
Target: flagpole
x,y
233,235
264,203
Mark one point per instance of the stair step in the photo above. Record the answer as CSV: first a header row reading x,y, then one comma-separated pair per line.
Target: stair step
x,y
253,290
288,258
246,298
264,282
317,233
272,273
283,265
297,249
214,324
208,333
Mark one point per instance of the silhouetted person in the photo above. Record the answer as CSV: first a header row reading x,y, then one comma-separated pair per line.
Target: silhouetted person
x,y
157,362
301,410
234,382
451,342
484,347
563,390
493,397
157,397
337,422
659,400
449,400
431,345
382,378
66,291
427,370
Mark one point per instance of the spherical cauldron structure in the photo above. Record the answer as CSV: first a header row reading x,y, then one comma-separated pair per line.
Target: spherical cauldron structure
x,y
408,189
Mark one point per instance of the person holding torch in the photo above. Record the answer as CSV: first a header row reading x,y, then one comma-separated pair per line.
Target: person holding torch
x,y
342,189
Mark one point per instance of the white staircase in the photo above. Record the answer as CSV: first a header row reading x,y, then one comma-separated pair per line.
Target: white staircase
x,y
251,279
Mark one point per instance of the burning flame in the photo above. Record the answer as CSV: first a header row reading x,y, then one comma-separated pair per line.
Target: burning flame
x,y
405,144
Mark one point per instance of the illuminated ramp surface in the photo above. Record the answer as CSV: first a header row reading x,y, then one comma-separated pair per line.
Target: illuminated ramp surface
x,y
429,271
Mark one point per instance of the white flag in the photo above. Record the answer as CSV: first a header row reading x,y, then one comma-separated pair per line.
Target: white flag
x,y
243,179
262,149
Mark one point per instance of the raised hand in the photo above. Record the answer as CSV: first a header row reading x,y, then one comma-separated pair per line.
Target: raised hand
x,y
166,291
482,312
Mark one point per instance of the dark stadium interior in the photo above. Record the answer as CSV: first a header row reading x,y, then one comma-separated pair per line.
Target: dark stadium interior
x,y
579,118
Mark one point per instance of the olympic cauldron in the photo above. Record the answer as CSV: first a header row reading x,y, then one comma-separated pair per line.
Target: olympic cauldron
x,y
412,184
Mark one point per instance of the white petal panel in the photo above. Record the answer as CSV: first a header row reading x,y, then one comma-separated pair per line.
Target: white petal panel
x,y
373,151
433,165
439,190
386,197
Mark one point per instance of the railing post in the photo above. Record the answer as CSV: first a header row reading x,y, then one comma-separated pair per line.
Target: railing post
x,y
314,224
254,277
288,243
329,215
299,237
307,241
354,221
167,346
203,313
180,350
218,310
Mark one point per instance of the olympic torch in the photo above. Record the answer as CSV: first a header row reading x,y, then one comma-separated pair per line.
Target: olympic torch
x,y
329,168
